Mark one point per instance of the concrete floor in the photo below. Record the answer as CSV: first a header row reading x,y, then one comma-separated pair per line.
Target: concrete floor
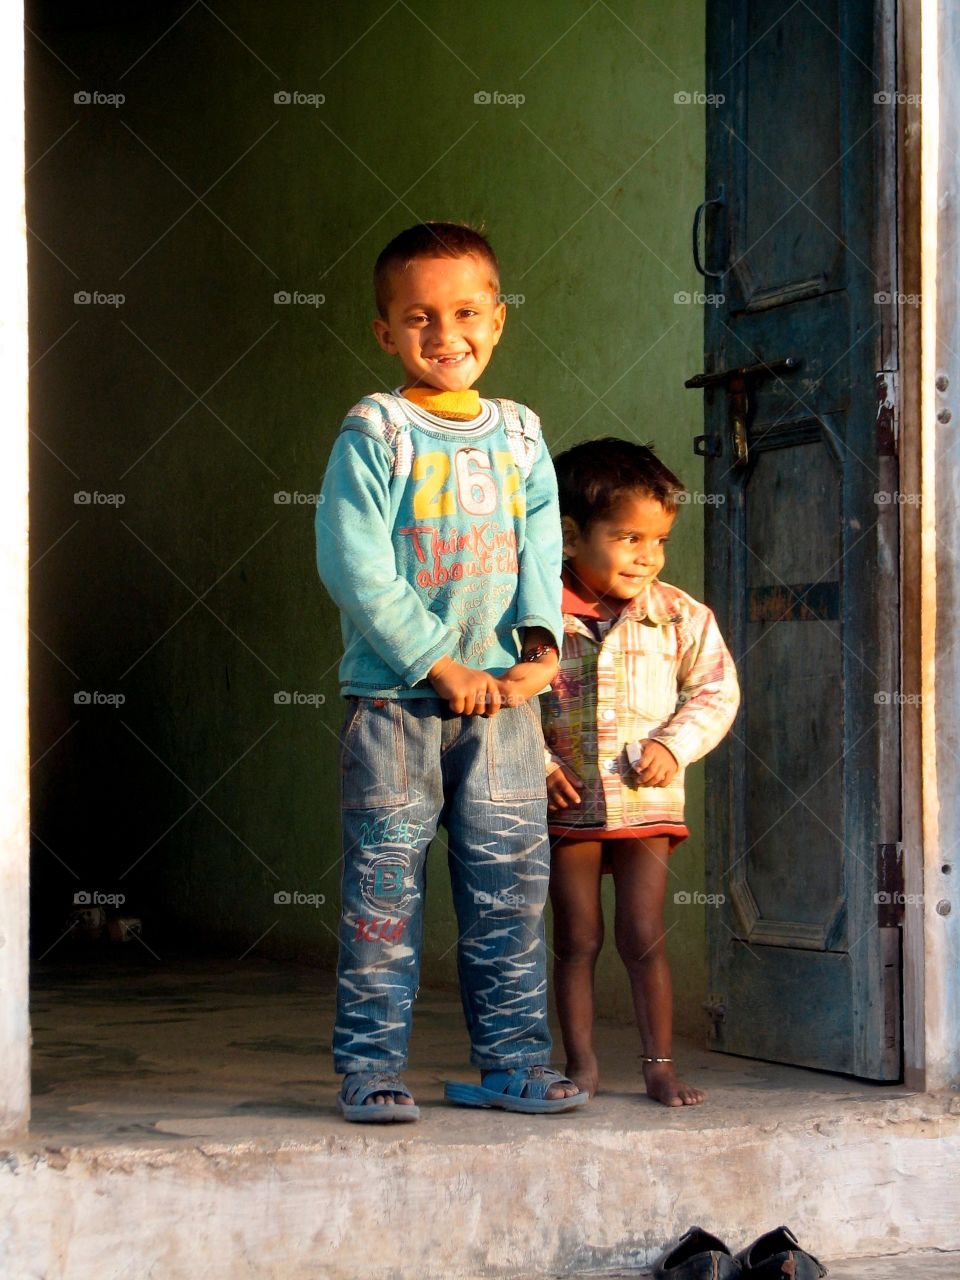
x,y
218,1050
913,1266
161,1088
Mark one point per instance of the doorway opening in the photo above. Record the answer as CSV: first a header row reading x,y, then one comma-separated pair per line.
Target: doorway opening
x,y
206,194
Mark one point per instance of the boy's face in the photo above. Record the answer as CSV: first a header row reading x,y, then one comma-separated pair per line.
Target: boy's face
x,y
616,557
443,322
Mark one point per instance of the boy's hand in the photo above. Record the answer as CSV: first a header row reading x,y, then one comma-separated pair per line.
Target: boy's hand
x,y
524,679
466,691
563,789
657,766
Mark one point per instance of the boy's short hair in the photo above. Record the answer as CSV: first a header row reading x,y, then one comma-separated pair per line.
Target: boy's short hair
x,y
430,240
595,476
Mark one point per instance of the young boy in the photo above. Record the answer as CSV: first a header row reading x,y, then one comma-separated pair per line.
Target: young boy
x,y
645,687
438,536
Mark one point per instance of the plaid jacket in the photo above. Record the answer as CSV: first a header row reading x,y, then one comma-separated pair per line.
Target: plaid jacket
x,y
662,671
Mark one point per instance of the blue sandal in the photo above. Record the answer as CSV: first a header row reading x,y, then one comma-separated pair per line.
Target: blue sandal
x,y
360,1085
517,1089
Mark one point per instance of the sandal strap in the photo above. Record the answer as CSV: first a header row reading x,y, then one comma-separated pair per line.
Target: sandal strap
x,y
360,1085
524,1082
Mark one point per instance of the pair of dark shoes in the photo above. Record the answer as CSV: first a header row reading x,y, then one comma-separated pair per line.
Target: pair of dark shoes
x,y
775,1256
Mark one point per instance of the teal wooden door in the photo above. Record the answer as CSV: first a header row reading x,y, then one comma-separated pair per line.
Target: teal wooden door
x,y
800,481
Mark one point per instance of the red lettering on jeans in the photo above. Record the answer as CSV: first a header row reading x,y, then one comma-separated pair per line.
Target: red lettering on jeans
x,y
379,929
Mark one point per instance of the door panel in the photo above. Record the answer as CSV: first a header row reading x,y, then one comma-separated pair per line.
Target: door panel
x,y
791,67
801,553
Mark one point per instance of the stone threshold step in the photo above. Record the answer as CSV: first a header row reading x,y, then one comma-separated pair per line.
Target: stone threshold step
x,y
567,1195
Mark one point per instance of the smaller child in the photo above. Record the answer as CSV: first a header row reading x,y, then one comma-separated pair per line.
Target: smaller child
x,y
645,686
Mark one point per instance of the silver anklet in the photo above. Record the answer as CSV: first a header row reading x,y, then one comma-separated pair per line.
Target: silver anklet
x,y
644,1058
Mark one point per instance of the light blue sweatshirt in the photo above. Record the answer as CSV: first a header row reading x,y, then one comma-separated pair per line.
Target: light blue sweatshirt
x,y
437,538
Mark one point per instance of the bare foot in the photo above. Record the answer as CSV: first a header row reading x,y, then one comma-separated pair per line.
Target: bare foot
x,y
664,1085
584,1073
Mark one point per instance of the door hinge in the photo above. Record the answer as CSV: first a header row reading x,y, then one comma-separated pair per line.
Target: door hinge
x,y
889,895
887,385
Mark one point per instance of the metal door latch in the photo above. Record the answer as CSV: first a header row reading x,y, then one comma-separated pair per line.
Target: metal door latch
x,y
736,380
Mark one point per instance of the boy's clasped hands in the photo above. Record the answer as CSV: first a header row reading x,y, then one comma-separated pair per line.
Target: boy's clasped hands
x,y
469,692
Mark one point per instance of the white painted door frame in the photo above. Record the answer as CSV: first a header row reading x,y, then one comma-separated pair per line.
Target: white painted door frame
x,y
929,256
14,746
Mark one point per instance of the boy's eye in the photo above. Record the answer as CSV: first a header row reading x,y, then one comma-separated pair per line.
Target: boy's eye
x,y
466,313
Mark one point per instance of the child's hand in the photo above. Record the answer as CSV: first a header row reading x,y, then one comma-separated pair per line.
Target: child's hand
x,y
524,679
657,766
466,691
563,789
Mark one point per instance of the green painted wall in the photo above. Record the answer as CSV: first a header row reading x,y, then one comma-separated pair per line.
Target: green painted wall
x,y
198,198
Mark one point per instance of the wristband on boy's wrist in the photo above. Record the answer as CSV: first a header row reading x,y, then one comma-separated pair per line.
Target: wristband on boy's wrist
x,y
539,651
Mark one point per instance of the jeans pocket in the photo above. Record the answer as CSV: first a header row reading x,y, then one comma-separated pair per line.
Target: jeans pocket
x,y
515,754
373,773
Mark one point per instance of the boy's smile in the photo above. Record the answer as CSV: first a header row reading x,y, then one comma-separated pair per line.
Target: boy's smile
x,y
443,322
616,557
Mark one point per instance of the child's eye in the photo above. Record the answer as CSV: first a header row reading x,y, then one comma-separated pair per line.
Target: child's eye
x,y
466,313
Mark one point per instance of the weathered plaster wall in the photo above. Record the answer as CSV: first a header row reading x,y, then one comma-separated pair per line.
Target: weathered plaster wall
x,y
183,585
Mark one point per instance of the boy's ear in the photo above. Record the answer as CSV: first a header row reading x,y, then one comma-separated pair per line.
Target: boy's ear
x,y
383,335
571,535
499,319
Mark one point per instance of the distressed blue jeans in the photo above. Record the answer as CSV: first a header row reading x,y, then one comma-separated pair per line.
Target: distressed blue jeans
x,y
407,765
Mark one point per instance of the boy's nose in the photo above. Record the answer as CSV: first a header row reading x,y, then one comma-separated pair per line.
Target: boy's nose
x,y
443,332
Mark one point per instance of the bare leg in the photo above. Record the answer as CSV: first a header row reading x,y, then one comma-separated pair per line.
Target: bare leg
x,y
640,876
577,939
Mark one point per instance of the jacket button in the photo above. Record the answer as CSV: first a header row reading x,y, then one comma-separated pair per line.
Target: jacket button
x,y
608,714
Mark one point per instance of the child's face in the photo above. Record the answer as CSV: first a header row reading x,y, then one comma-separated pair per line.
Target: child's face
x,y
443,322
616,557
